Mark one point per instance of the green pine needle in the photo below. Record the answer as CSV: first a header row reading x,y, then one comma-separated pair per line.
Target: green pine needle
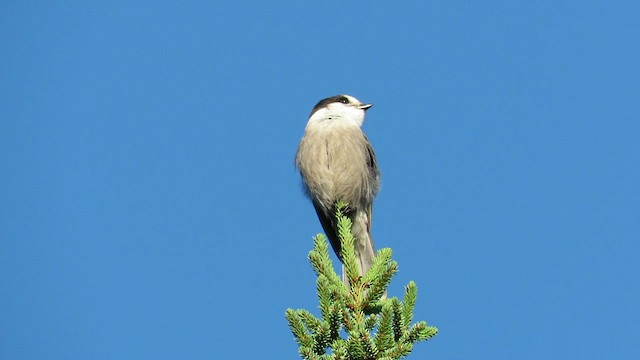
x,y
355,323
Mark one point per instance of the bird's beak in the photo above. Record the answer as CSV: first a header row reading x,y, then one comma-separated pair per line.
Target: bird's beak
x,y
365,106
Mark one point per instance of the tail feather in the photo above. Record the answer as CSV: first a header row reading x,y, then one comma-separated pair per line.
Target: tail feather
x,y
364,255
363,245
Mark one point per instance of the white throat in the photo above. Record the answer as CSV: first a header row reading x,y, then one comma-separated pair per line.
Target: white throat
x,y
337,114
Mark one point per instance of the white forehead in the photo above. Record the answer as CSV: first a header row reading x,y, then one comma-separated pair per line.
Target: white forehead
x,y
339,114
352,100
351,108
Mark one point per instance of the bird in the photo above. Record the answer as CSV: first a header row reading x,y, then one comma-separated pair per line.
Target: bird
x,y
337,163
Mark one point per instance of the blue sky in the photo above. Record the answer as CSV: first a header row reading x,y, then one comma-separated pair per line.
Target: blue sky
x,y
149,208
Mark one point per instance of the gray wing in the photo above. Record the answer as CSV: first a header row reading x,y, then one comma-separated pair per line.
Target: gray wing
x,y
374,174
328,222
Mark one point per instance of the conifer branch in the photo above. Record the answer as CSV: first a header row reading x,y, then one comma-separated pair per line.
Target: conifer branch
x,y
376,328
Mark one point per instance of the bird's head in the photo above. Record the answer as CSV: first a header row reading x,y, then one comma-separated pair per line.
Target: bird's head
x,y
339,109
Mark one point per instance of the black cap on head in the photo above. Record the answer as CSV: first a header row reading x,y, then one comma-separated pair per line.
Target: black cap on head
x,y
334,99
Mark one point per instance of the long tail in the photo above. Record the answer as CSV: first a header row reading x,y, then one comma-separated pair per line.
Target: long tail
x,y
363,244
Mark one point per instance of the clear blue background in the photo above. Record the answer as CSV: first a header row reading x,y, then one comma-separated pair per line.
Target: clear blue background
x,y
149,208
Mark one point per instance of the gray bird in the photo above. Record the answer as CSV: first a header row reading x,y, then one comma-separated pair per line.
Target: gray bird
x,y
337,162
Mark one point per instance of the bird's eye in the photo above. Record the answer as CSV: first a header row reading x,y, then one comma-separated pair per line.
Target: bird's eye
x,y
344,100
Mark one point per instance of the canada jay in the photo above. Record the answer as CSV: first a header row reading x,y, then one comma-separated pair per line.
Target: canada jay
x,y
336,162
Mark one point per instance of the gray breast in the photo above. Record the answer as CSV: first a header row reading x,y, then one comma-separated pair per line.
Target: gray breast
x,y
336,165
